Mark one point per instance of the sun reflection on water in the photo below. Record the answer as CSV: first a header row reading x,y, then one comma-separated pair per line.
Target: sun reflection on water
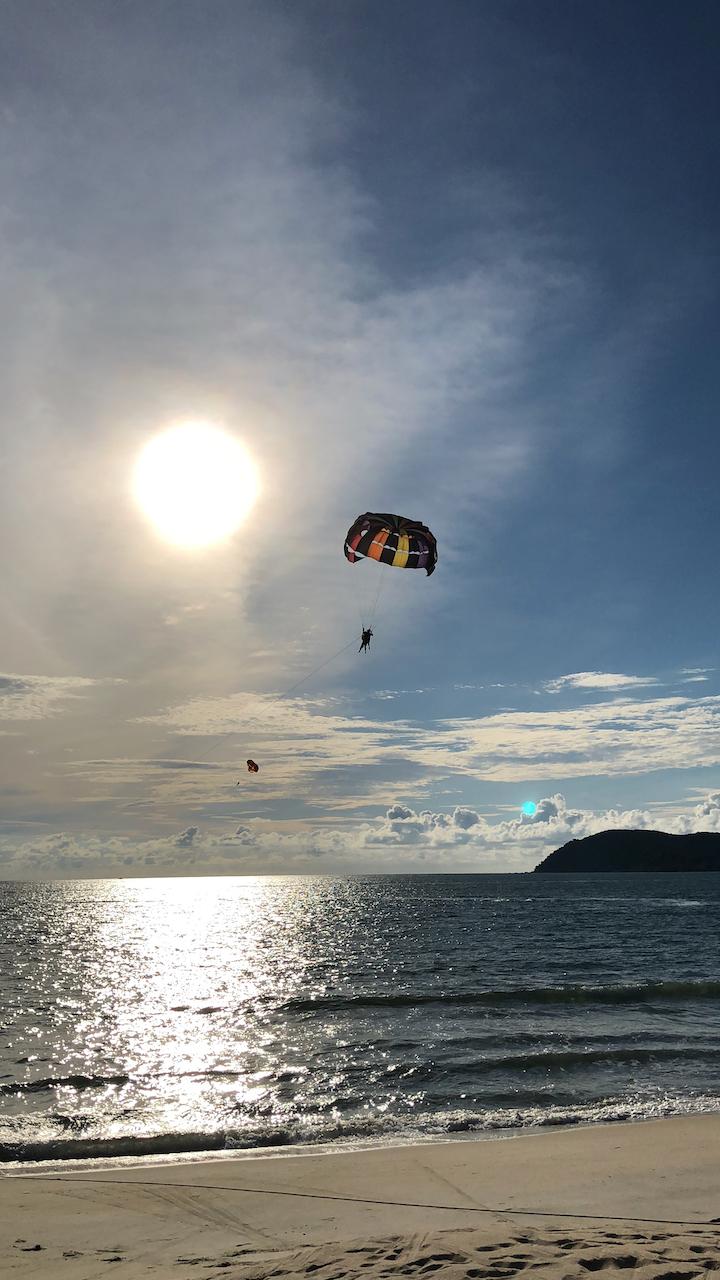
x,y
234,1012
174,1004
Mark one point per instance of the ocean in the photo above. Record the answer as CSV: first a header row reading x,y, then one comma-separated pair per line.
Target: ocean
x,y
181,1015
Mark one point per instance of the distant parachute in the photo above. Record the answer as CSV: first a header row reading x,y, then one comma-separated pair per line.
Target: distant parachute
x,y
393,540
253,767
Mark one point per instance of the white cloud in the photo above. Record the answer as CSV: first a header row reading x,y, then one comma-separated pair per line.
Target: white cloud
x,y
605,681
37,697
330,769
622,736
705,816
301,743
552,824
404,839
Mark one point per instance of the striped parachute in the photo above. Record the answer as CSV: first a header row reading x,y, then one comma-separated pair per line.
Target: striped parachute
x,y
393,540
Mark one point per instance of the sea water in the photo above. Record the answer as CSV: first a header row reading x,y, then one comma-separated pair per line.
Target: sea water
x,y
141,1016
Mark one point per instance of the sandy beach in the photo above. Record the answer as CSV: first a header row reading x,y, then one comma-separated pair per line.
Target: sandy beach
x,y
614,1198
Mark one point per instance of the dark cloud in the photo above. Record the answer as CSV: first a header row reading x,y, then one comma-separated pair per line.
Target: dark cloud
x,y
187,838
399,812
465,818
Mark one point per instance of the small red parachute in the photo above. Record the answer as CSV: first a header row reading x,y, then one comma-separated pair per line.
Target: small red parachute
x,y
253,767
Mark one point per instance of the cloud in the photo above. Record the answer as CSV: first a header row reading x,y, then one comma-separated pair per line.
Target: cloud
x,y
186,839
545,811
403,825
224,263
388,695
705,816
605,681
403,839
302,743
399,813
131,767
37,697
622,736
465,818
552,824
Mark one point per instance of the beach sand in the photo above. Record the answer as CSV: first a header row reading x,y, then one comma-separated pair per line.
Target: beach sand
x,y
624,1198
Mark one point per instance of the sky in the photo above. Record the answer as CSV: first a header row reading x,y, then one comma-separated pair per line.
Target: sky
x,y
456,261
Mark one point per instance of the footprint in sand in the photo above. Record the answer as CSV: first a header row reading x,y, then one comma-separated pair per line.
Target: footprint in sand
x,y
676,1275
621,1262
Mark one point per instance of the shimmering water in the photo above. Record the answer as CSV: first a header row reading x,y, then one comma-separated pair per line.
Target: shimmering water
x,y
178,1015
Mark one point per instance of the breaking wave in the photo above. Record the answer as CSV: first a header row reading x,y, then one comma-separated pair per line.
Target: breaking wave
x,y
621,993
372,1129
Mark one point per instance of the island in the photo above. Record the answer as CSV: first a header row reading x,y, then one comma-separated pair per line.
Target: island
x,y
636,851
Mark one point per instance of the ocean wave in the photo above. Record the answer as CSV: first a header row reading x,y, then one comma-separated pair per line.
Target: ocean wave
x,y
620,993
341,1132
63,1082
560,1060
80,1082
547,1057
67,1148
564,1059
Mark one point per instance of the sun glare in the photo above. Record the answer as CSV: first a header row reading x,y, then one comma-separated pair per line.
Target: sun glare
x,y
195,483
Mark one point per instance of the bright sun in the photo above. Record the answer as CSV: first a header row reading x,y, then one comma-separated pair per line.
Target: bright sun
x,y
196,483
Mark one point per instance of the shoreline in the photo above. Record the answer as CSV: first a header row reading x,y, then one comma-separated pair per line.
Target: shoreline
x,y
197,1152
647,1182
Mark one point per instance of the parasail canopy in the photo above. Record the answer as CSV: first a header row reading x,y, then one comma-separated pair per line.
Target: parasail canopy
x,y
393,540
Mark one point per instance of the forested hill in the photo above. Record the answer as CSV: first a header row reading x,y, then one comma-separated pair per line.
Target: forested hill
x,y
637,851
